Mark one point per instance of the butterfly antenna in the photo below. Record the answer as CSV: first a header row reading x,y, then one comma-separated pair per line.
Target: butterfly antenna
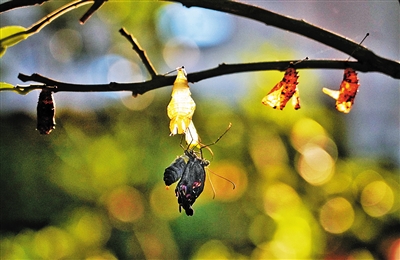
x,y
366,35
209,149
222,177
181,145
216,141
212,185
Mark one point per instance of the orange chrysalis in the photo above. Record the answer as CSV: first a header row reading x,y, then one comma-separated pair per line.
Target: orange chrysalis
x,y
347,92
181,107
284,90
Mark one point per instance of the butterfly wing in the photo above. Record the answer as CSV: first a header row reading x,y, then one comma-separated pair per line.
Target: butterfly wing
x,y
191,185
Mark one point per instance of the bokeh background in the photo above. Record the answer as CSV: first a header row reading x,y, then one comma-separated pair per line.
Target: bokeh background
x,y
312,183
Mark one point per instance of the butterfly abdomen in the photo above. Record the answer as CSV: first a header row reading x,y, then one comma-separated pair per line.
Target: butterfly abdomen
x,y
174,172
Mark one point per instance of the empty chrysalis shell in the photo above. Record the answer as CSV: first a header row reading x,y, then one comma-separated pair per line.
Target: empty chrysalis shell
x,y
192,137
347,92
181,107
284,90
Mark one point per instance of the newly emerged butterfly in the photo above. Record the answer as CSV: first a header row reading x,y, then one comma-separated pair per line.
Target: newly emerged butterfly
x,y
191,184
284,90
190,169
45,112
181,107
347,92
174,172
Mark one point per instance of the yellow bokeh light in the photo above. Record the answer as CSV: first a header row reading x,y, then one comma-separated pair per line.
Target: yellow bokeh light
x,y
261,229
394,250
304,131
360,254
377,198
65,44
213,249
88,227
179,50
263,251
277,199
363,227
107,164
137,103
53,243
223,188
363,179
315,165
267,149
292,239
125,204
341,180
115,12
151,245
103,255
164,202
337,215
15,248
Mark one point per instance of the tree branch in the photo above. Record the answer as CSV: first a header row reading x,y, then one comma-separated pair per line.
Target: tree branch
x,y
57,13
163,81
35,28
142,54
96,5
13,4
369,59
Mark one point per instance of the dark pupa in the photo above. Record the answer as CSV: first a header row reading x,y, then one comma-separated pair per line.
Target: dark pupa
x,y
46,112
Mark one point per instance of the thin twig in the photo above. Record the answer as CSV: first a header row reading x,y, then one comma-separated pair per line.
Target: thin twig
x,y
368,59
362,54
54,15
13,4
35,28
163,81
97,4
142,54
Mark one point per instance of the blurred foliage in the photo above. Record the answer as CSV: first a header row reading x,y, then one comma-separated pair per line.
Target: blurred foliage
x,y
94,188
6,38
